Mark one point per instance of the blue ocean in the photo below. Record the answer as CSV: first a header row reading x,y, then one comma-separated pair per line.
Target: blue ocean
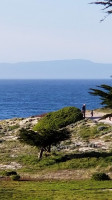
x,y
24,98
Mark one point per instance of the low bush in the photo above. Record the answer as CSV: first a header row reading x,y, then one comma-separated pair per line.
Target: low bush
x,y
9,173
15,177
12,174
59,119
100,177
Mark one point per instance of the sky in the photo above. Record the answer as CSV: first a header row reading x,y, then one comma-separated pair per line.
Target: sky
x,y
44,30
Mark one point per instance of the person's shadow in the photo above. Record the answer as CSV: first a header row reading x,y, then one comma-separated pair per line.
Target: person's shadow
x,y
93,118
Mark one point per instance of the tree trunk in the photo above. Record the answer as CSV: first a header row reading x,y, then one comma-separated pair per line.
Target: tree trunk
x,y
41,153
49,148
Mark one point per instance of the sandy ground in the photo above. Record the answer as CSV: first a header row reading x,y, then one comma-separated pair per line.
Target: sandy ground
x,y
97,115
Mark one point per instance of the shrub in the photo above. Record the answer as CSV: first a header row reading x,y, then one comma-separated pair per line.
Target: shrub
x,y
59,119
15,177
100,177
9,173
51,129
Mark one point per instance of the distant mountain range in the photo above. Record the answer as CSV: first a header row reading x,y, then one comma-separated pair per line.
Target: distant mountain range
x,y
60,69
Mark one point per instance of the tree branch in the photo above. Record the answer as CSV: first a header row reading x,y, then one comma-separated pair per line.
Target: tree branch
x,y
106,3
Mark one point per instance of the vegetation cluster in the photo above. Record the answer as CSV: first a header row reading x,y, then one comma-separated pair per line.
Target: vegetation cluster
x,y
51,129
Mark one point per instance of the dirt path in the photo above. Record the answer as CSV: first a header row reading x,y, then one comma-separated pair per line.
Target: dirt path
x,y
97,115
74,174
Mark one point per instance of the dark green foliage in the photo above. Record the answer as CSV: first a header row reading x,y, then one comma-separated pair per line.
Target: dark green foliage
x,y
43,140
29,137
9,173
15,177
13,174
105,95
49,130
100,177
59,119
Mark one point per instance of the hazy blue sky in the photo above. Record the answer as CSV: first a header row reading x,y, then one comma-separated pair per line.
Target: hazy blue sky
x,y
37,30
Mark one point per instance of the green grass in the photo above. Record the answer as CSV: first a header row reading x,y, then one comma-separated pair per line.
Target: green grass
x,y
27,156
11,128
56,190
86,132
59,161
54,162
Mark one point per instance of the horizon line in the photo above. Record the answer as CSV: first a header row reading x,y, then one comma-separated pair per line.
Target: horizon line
x,y
55,79
55,60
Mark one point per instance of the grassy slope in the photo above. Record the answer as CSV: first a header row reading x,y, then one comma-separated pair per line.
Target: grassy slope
x,y
26,156
104,110
72,190
62,165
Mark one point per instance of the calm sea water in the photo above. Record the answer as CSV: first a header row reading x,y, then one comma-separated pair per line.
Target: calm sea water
x,y
23,98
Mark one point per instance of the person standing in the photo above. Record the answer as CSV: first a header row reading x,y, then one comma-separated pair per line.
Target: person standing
x,y
84,110
91,113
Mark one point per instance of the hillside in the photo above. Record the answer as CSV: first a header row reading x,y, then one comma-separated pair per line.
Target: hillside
x,y
88,150
60,69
